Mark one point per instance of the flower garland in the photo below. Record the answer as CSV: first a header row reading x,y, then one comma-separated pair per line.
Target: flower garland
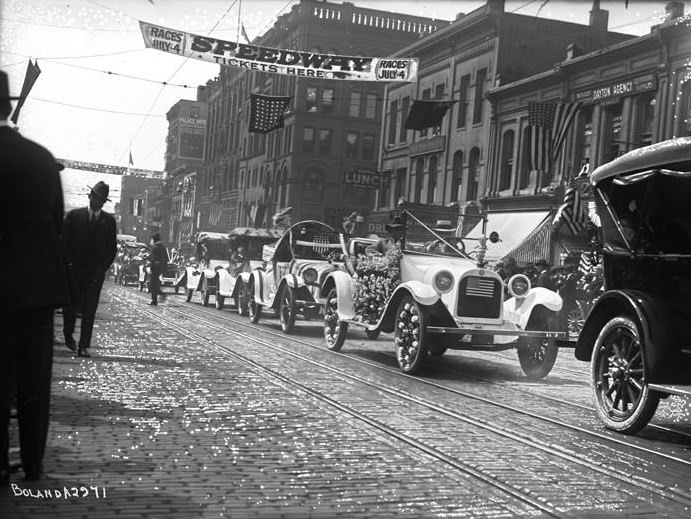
x,y
375,279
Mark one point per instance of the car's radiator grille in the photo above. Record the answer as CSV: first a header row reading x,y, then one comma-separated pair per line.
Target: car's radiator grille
x,y
479,297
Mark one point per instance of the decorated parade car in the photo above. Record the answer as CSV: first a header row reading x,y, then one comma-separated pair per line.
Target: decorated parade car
x,y
130,257
434,294
245,245
199,274
636,336
296,266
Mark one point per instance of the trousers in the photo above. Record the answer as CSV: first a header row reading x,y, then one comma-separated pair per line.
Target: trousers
x,y
88,283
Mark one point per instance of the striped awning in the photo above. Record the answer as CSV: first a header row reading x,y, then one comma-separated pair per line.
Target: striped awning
x,y
520,232
537,245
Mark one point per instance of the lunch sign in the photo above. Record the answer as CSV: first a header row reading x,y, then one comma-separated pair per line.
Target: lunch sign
x,y
278,61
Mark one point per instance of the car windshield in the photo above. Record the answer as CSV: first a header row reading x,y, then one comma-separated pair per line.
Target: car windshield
x,y
439,234
252,245
651,212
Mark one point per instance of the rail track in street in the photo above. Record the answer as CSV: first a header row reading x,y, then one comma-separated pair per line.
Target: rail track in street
x,y
226,324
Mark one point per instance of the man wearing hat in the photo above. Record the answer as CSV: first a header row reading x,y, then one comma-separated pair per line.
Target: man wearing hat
x,y
36,282
395,230
89,235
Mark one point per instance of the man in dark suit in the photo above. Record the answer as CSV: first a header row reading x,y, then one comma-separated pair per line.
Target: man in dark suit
x,y
35,282
89,235
159,259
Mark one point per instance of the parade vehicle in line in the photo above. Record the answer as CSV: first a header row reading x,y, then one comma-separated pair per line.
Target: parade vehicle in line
x,y
435,295
636,337
295,268
211,254
246,245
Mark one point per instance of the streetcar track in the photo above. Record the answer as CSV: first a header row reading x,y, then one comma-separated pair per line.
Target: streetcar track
x,y
667,493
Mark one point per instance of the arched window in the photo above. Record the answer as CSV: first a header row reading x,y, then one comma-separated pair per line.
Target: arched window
x,y
417,179
473,173
432,180
506,165
268,190
284,187
457,178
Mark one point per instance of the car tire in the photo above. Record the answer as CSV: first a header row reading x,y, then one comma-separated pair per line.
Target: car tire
x,y
205,294
623,400
537,355
188,295
286,309
254,309
220,301
242,299
409,335
335,330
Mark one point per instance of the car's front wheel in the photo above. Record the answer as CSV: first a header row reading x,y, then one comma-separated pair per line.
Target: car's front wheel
x,y
409,340
623,399
335,330
188,295
254,309
287,311
220,301
537,355
242,298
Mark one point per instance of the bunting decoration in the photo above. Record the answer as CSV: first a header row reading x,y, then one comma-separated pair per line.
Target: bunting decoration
x,y
572,210
550,122
267,112
131,160
427,114
32,73
281,219
244,33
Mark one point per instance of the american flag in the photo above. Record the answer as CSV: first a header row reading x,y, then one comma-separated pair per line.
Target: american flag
x,y
550,122
427,114
572,211
267,112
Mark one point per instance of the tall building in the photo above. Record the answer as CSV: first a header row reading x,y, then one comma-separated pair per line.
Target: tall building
x,y
330,133
447,165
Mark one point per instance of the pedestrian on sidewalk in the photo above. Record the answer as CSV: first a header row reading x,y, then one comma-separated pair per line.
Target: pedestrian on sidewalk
x,y
35,283
159,259
89,236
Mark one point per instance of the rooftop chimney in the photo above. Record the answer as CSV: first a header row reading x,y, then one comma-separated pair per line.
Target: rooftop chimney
x,y
496,5
675,9
599,18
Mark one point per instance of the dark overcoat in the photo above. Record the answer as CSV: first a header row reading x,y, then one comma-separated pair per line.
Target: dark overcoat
x,y
32,263
158,258
87,247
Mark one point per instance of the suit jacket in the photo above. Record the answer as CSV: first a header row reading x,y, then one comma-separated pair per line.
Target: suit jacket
x,y
89,245
32,261
158,258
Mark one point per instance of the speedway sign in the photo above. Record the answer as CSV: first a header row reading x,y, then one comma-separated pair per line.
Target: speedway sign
x,y
278,61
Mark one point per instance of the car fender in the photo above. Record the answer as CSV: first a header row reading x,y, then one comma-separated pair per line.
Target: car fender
x,y
226,282
421,292
661,359
519,310
260,279
292,280
344,291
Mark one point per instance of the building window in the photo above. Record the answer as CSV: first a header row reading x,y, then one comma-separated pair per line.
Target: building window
x,y
479,95
684,119
506,161
473,174
314,185
646,116
585,134
355,101
405,106
324,142
368,146
328,100
351,145
438,95
457,178
417,179
426,95
401,191
370,106
308,140
432,180
612,131
385,189
312,93
524,176
393,119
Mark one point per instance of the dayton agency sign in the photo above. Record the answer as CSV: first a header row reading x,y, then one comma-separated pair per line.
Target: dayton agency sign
x,y
278,61
366,178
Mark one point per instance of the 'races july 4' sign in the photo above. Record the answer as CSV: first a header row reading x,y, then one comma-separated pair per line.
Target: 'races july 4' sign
x,y
278,61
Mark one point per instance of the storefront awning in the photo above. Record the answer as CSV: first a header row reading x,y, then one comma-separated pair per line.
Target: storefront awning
x,y
515,229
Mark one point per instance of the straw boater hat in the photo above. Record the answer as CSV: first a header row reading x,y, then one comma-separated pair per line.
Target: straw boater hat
x,y
5,97
443,226
101,189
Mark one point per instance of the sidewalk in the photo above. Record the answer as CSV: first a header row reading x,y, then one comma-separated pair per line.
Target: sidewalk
x,y
155,425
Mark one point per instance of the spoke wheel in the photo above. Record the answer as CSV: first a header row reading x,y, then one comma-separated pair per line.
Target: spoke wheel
x,y
254,309
409,341
623,400
286,309
220,301
242,299
574,322
537,355
188,295
335,330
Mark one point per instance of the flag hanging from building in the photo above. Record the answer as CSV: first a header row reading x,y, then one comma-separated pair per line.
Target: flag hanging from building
x,y
131,161
32,73
572,211
267,112
427,114
244,33
550,122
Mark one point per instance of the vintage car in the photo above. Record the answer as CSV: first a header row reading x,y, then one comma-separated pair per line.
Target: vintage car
x,y
445,298
212,254
246,245
296,266
636,336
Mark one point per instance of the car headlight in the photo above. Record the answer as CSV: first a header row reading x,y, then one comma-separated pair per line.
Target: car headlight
x,y
310,276
443,281
519,285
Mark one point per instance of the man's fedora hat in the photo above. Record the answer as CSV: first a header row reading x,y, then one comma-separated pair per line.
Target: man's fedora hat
x,y
5,88
101,189
443,226
395,223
